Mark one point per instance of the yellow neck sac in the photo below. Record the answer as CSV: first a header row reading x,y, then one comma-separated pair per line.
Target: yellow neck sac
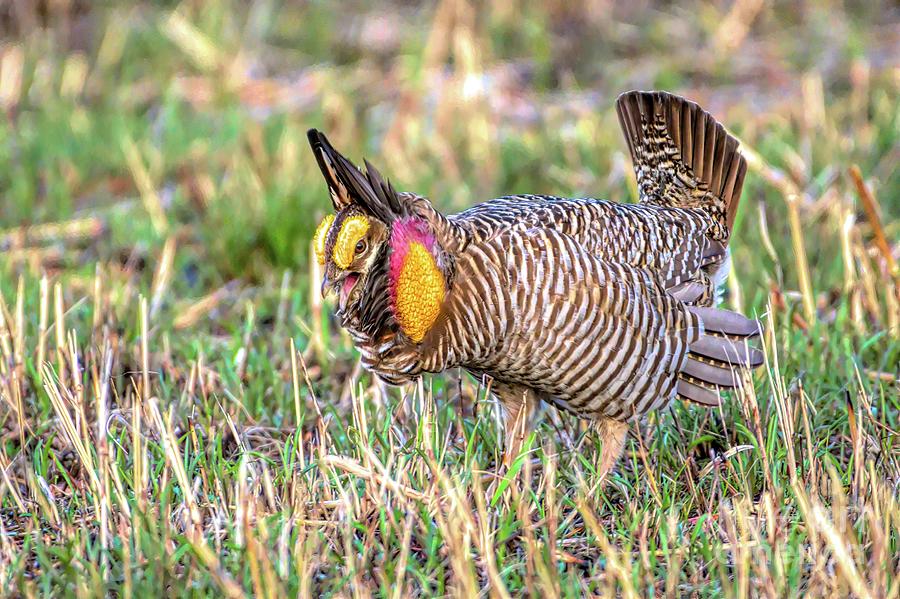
x,y
418,290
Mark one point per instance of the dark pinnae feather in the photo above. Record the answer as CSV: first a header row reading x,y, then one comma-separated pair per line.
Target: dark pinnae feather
x,y
384,192
736,353
328,159
716,359
696,392
349,185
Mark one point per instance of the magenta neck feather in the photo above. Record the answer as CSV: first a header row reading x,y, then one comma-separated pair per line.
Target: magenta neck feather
x,y
404,232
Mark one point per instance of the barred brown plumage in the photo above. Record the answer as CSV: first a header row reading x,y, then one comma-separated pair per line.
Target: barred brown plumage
x,y
600,308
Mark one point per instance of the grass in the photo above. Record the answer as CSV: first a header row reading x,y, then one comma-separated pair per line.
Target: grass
x,y
180,413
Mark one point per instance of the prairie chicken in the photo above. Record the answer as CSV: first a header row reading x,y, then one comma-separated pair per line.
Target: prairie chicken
x,y
599,308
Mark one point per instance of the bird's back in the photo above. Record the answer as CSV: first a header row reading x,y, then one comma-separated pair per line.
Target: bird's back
x,y
648,236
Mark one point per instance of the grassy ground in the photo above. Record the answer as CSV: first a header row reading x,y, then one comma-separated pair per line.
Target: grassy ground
x,y
178,412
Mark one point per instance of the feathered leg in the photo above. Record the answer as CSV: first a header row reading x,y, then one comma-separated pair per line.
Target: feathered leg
x,y
520,405
612,435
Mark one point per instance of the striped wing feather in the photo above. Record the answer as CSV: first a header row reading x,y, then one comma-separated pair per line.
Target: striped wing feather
x,y
669,241
597,338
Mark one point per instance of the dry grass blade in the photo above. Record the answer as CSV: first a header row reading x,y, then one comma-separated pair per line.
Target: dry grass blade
x,y
163,275
12,59
353,467
149,196
809,304
839,547
55,393
870,205
74,230
225,582
9,485
202,307
616,566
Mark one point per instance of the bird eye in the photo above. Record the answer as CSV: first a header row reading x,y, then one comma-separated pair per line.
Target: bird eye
x,y
360,246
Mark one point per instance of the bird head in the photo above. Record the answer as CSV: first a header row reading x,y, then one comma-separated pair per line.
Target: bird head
x,y
348,245
375,233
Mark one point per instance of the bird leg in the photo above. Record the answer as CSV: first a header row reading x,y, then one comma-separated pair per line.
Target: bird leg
x,y
520,405
612,436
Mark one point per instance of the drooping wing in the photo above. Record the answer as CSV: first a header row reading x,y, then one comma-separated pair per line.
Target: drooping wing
x,y
600,338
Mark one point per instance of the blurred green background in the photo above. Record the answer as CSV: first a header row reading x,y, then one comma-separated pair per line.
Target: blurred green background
x,y
196,111
157,197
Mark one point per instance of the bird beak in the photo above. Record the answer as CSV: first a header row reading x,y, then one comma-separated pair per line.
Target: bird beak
x,y
326,286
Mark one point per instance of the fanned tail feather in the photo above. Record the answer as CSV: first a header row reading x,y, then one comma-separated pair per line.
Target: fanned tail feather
x,y
682,156
716,360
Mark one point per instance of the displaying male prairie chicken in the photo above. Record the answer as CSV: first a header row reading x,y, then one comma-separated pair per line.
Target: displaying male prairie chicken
x,y
599,308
